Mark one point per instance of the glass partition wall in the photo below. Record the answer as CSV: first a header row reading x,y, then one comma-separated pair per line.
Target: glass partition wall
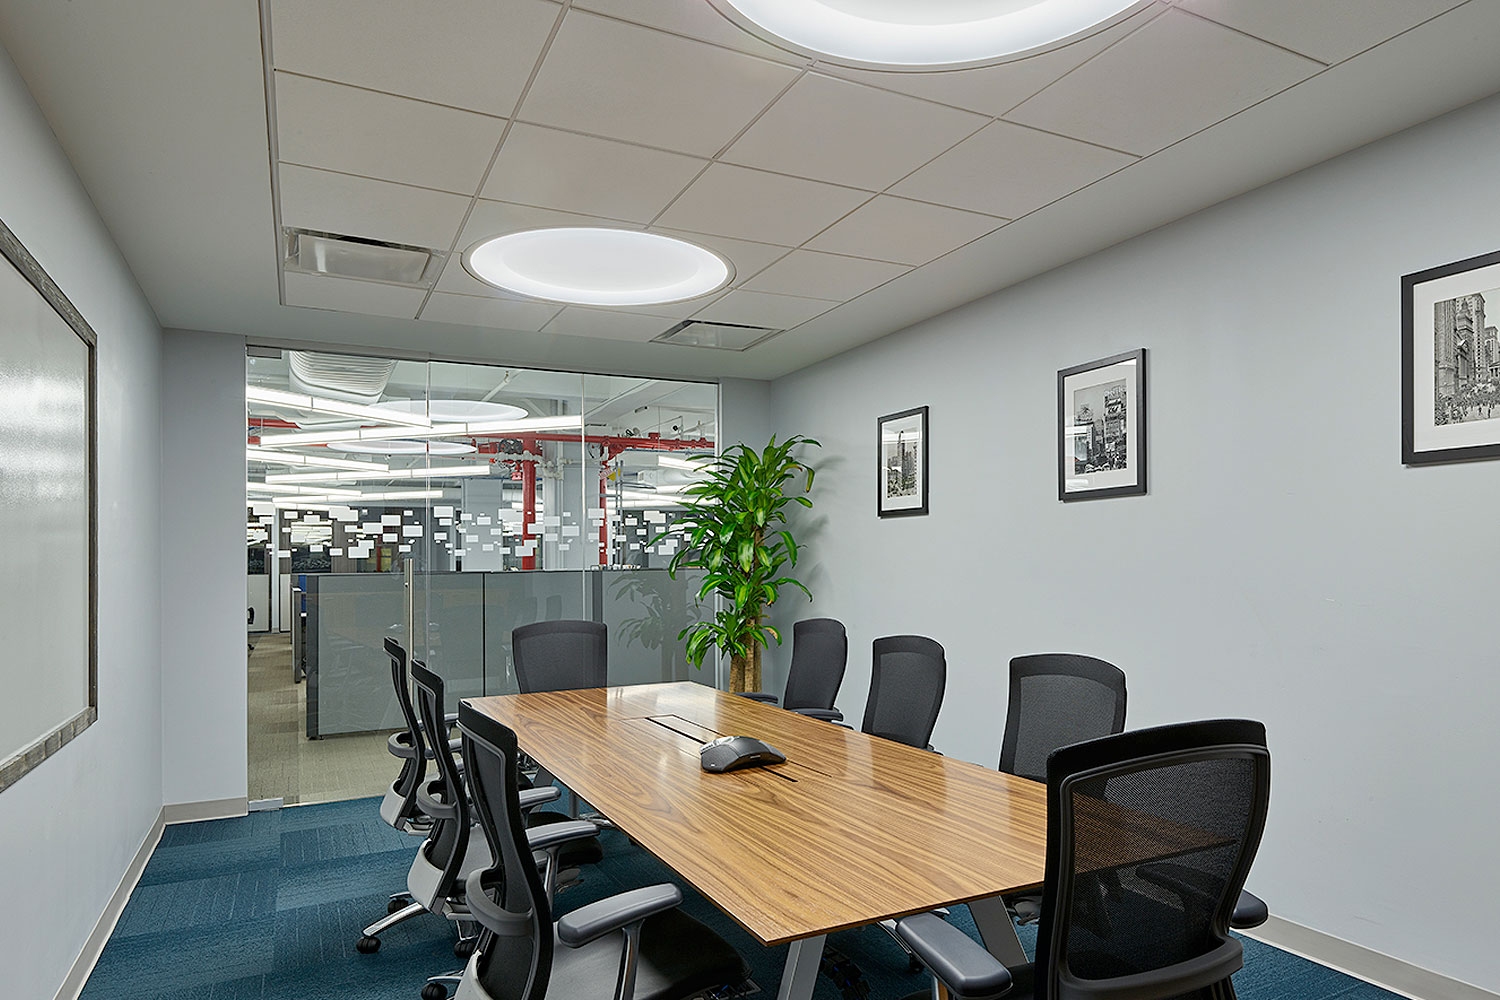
x,y
443,505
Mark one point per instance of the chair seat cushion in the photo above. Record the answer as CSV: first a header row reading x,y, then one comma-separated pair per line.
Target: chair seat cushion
x,y
679,958
574,855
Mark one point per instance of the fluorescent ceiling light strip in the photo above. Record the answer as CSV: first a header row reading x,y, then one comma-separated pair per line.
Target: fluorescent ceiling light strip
x,y
286,488
311,461
673,462
316,404
354,499
436,472
437,431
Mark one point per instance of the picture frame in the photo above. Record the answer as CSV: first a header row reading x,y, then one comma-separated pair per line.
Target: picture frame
x,y
1101,428
1450,362
901,463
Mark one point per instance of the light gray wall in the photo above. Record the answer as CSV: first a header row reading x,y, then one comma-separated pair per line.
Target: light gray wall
x,y
1285,566
204,679
69,828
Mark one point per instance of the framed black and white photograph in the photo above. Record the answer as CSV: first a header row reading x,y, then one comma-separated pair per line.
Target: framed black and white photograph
x,y
902,444
1450,362
1101,428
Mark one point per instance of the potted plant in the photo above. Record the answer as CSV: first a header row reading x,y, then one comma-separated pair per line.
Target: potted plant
x,y
733,530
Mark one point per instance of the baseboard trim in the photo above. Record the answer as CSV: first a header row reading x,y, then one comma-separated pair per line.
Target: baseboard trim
x,y
1364,963
194,812
93,947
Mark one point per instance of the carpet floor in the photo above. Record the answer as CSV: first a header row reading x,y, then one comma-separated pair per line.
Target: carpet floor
x,y
268,907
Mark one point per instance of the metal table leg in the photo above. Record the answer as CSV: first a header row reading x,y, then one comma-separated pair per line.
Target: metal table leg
x,y
800,975
998,931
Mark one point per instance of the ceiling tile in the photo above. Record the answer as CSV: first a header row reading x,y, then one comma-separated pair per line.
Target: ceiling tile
x,y
902,231
778,312
695,20
748,258
579,173
1177,75
623,81
754,205
474,54
356,131
672,310
495,218
343,295
1330,30
847,133
376,210
1009,170
579,321
460,282
994,90
501,314
824,275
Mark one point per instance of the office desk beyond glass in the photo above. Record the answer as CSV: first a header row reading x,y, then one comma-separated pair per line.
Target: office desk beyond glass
x,y
851,830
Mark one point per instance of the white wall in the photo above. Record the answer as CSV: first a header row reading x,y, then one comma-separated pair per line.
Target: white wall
x,y
69,828
1285,566
204,679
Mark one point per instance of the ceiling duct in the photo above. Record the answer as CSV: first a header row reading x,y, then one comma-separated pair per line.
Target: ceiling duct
x,y
356,257
720,336
348,377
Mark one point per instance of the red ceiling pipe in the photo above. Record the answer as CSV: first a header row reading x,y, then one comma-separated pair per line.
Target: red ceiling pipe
x,y
528,503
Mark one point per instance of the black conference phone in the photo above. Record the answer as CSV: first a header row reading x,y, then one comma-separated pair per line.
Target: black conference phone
x,y
730,753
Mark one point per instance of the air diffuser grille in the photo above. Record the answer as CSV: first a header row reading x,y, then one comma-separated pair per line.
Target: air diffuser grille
x,y
353,257
719,336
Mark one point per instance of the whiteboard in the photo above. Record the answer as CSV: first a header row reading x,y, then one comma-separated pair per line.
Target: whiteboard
x,y
47,552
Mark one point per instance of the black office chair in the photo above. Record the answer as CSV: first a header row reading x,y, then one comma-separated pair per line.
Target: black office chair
x,y
907,677
820,652
633,946
560,655
1056,699
1150,836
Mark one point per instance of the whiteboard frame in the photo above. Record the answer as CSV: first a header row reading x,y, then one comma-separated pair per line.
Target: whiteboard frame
x,y
27,759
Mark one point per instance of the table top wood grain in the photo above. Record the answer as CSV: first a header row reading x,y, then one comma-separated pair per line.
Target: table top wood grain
x,y
851,830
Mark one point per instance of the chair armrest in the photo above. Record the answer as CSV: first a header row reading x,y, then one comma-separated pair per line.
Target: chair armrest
x,y
541,838
826,714
533,797
399,745
1249,911
435,807
761,696
587,923
450,719
957,960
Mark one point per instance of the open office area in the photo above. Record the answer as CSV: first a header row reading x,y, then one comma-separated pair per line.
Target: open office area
x,y
709,499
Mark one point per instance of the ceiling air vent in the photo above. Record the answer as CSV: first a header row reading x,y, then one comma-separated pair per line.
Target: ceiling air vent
x,y
354,257
343,376
722,336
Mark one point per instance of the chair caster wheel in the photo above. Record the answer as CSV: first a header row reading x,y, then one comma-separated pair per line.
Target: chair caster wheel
x,y
434,991
367,945
463,948
398,904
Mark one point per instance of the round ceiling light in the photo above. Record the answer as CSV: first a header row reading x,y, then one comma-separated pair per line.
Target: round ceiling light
x,y
402,446
902,35
454,411
598,267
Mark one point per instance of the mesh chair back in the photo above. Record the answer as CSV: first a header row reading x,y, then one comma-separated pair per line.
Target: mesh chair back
x,y
1057,699
560,656
820,651
415,769
907,678
515,960
1150,836
444,799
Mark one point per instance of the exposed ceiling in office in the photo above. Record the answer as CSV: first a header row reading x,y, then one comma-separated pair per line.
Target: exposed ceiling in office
x,y
852,203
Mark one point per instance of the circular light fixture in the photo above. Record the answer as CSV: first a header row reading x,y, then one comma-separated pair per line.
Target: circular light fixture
x,y
454,411
941,34
402,446
598,267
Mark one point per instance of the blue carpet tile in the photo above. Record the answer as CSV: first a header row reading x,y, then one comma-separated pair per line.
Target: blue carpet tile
x,y
268,907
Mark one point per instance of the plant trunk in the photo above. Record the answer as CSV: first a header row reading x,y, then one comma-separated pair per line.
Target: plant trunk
x,y
744,672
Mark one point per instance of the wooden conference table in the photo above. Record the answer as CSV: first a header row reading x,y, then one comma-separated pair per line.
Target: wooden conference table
x,y
851,830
